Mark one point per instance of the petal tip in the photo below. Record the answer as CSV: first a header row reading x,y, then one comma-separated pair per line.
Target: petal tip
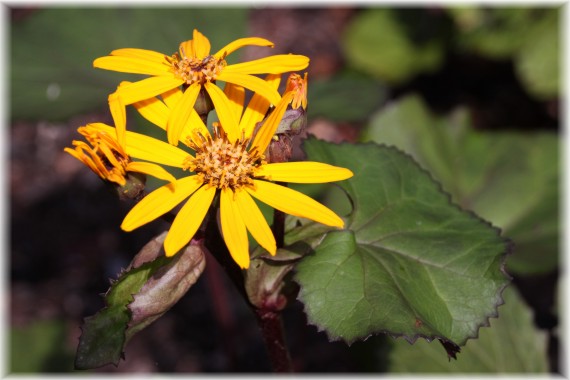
x,y
126,227
169,251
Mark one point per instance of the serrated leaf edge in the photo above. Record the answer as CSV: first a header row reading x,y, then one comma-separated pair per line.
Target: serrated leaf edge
x,y
509,247
114,282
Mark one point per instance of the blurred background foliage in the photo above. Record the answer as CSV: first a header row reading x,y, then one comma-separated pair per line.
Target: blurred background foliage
x,y
471,92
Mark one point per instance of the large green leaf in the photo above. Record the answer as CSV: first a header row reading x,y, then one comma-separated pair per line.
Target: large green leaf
x,y
408,263
511,345
510,178
378,42
52,51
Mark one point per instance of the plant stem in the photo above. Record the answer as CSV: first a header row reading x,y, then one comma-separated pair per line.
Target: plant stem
x,y
272,330
269,320
214,242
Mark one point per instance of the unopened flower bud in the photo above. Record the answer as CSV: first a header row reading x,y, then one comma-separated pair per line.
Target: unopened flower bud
x,y
294,122
203,105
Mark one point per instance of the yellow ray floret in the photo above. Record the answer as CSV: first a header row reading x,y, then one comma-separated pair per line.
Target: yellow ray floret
x,y
105,156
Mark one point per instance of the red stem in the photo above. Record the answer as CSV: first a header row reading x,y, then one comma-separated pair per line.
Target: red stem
x,y
272,330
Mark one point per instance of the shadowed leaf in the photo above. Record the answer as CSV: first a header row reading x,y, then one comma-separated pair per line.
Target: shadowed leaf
x,y
510,178
52,51
511,345
377,42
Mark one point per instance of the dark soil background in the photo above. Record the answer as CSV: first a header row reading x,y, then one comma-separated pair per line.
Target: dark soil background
x,y
65,242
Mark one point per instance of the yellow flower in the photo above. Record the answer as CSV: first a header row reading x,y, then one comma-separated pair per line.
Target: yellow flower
x,y
107,158
229,163
298,86
195,68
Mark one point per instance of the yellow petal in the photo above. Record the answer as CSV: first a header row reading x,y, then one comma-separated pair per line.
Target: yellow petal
x,y
119,114
154,170
188,220
239,43
87,160
274,64
234,229
171,97
224,111
257,106
236,96
181,113
147,88
303,172
201,45
154,111
148,148
294,203
265,133
159,202
109,155
186,49
255,221
76,153
132,65
252,83
193,127
147,55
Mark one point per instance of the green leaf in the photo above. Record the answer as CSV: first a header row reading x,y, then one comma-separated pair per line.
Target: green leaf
x,y
528,35
38,348
512,344
496,32
147,289
378,43
510,178
409,263
52,51
538,61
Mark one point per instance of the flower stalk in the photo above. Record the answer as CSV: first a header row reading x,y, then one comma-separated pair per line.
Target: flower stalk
x,y
267,317
271,326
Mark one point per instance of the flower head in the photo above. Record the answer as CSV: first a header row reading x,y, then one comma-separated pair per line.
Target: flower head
x,y
194,68
108,159
229,163
298,86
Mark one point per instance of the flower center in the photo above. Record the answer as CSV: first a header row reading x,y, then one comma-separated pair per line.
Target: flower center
x,y
221,163
195,70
